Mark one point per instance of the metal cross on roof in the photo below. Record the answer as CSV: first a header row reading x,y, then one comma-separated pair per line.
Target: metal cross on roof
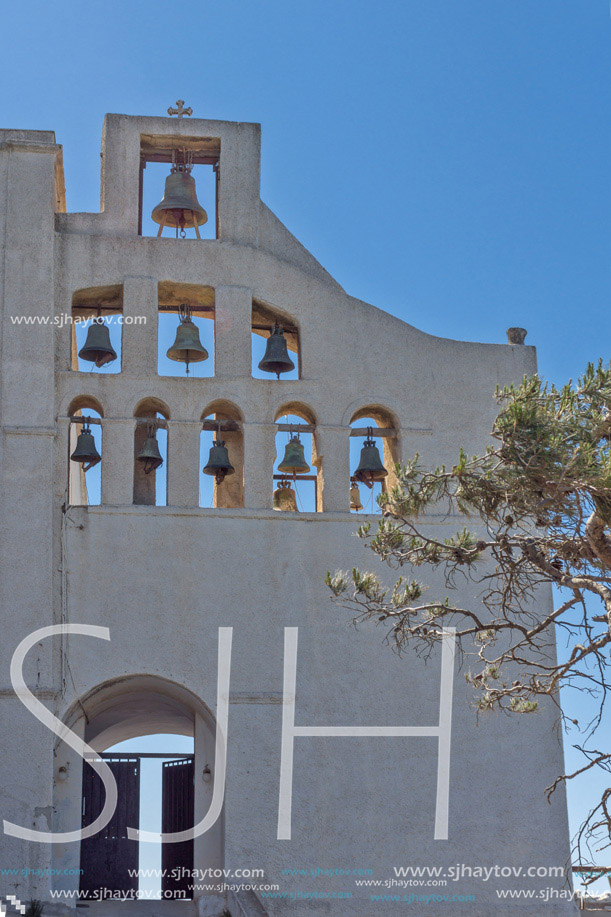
x,y
179,110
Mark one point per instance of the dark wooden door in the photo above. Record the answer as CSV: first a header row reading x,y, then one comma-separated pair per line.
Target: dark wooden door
x,y
107,857
177,814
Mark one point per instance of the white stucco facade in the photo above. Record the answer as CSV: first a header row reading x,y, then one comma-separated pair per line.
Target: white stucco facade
x,y
165,579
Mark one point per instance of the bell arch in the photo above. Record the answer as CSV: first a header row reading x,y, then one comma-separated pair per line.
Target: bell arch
x,y
85,415
296,448
372,423
298,409
85,402
186,312
147,711
222,422
162,158
276,349
96,329
150,452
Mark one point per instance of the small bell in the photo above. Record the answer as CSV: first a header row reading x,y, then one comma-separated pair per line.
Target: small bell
x,y
294,460
285,498
179,206
370,466
85,451
97,347
218,461
276,359
149,455
187,347
355,496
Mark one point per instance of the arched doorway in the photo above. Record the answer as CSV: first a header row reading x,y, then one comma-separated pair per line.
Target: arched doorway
x,y
140,724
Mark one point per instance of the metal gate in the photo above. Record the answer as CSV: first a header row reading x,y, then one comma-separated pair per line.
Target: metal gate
x,y
177,814
108,857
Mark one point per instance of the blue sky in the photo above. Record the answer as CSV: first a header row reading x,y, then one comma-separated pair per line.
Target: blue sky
x,y
447,160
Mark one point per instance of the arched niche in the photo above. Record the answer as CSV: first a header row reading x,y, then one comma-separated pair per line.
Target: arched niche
x,y
84,483
150,485
89,304
264,319
222,419
201,301
296,417
387,440
157,155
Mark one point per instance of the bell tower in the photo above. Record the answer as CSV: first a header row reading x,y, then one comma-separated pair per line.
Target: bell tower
x,y
129,143
194,424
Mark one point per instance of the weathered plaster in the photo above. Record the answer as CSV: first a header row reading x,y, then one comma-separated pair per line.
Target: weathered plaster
x,y
164,579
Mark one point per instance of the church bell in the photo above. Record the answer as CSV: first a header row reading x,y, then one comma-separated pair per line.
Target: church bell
x,y
294,460
285,498
355,496
218,461
276,359
149,455
179,206
97,347
370,466
187,348
85,451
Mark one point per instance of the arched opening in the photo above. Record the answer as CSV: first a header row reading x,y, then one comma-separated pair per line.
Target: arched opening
x,y
373,441
151,453
158,156
179,304
297,483
221,424
275,344
85,452
97,323
159,741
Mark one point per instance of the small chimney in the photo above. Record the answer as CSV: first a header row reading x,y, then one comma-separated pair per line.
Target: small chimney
x,y
516,335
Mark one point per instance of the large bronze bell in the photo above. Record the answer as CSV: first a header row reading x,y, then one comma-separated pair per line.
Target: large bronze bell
x,y
149,455
370,466
276,359
285,498
218,461
85,451
355,496
187,348
179,206
97,347
294,460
